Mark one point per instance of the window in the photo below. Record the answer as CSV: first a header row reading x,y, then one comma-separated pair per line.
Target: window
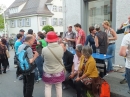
x,y
54,8
12,23
20,23
54,22
60,21
44,20
13,10
27,22
105,9
60,9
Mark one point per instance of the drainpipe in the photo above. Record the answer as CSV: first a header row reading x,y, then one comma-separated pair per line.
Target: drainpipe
x,y
37,23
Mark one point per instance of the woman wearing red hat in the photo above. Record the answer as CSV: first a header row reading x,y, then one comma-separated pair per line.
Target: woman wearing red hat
x,y
53,65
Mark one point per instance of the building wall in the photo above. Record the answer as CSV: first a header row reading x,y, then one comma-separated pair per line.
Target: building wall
x,y
15,30
57,15
122,11
72,12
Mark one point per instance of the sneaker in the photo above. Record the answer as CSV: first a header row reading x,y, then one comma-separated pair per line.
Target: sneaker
x,y
20,77
40,79
15,66
129,91
37,81
123,81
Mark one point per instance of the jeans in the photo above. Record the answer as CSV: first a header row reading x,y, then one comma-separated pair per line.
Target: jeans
x,y
128,77
39,63
36,74
110,51
28,85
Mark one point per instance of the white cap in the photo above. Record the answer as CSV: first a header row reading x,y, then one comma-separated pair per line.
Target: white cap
x,y
97,26
69,25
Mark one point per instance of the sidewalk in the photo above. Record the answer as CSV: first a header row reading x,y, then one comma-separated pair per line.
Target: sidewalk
x,y
117,89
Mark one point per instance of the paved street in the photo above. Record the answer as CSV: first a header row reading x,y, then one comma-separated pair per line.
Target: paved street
x,y
11,87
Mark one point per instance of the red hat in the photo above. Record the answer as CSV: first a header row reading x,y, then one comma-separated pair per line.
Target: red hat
x,y
51,37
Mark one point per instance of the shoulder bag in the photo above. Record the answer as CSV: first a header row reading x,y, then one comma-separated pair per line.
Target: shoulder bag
x,y
57,59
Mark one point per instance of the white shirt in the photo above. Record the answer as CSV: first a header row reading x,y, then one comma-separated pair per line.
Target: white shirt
x,y
126,42
76,61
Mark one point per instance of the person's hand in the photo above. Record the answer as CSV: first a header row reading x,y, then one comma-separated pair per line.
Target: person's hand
x,y
36,54
77,79
71,76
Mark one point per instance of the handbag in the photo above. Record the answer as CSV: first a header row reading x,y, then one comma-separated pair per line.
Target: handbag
x,y
7,54
57,59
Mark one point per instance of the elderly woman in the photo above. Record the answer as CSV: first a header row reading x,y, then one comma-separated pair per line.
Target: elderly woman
x,y
53,68
76,61
112,37
87,70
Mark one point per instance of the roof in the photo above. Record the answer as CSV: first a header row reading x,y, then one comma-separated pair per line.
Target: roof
x,y
31,7
49,1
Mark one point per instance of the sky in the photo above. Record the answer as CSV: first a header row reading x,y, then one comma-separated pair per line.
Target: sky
x,y
7,3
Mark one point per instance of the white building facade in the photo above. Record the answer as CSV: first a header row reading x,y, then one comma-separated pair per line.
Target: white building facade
x,y
29,14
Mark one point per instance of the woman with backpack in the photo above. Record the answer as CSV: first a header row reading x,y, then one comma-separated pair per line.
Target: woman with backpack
x,y
87,71
53,68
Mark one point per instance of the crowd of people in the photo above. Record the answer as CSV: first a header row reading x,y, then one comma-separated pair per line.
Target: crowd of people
x,y
65,61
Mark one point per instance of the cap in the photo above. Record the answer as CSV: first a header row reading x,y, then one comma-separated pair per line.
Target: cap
x,y
21,30
69,25
97,26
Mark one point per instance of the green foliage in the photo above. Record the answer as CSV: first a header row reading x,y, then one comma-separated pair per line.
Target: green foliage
x,y
1,22
48,28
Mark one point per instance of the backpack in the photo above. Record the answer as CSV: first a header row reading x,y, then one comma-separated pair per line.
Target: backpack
x,y
104,89
23,62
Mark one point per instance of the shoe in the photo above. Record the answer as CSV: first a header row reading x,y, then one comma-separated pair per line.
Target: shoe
x,y
37,81
4,72
15,66
40,79
65,87
20,77
129,91
123,81
0,72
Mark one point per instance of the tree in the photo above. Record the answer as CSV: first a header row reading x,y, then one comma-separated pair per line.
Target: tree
x,y
48,28
1,22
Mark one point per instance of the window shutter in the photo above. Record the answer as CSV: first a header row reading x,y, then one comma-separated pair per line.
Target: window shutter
x,y
40,19
29,22
23,22
10,24
17,23
58,22
52,22
14,23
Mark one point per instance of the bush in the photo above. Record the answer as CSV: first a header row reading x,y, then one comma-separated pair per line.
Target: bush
x,y
48,28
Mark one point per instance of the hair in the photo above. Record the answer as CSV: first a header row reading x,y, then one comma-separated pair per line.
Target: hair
x,y
41,35
106,23
19,36
30,31
28,37
97,27
87,51
63,43
3,41
79,47
77,25
91,28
